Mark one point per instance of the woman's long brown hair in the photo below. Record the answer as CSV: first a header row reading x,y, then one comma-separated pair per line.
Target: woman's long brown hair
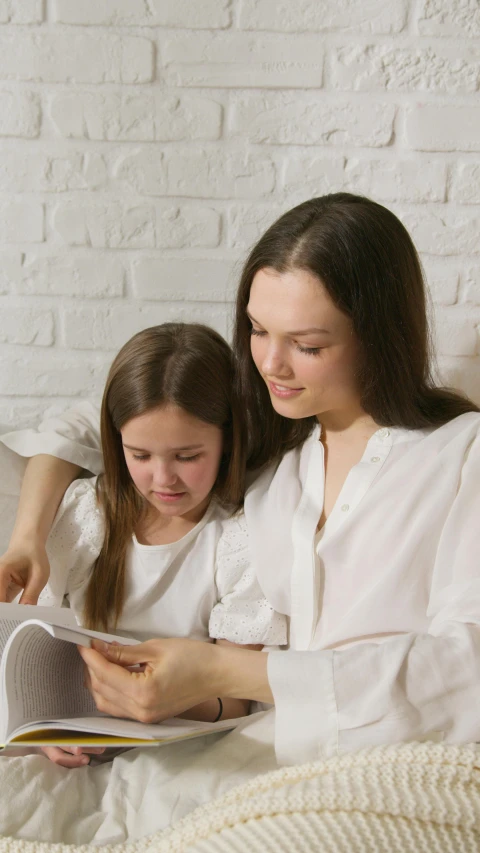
x,y
369,266
186,365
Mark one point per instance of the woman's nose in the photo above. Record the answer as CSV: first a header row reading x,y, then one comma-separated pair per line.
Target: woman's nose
x,y
274,362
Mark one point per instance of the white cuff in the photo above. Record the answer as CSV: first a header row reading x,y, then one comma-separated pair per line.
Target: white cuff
x,y
305,709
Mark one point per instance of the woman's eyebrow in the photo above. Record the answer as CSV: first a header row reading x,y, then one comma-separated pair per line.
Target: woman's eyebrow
x,y
312,330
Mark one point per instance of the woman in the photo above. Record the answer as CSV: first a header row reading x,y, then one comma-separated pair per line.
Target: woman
x,y
363,520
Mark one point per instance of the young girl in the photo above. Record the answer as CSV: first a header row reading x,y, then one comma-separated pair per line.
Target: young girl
x,y
155,546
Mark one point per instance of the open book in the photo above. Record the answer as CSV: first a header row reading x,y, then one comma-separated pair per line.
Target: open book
x,y
43,699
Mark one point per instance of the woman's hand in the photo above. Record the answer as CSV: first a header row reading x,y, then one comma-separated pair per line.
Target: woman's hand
x,y
71,756
174,675
24,567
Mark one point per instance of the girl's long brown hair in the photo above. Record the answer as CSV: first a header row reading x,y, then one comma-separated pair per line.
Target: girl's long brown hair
x,y
186,365
368,264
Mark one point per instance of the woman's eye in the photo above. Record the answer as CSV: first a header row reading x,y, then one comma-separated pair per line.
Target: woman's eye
x,y
256,332
309,350
188,458
141,458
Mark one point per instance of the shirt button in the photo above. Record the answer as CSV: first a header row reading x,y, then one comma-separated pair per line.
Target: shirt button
x,y
375,459
345,507
384,432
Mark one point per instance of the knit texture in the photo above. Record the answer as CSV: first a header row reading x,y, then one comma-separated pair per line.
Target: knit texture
x,y
408,798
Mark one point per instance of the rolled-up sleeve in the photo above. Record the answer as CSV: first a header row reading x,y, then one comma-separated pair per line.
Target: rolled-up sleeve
x,y
73,436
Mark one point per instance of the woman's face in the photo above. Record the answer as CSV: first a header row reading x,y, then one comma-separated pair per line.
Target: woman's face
x,y
303,346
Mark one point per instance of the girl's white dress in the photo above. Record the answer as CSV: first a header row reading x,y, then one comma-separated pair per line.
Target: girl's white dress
x,y
201,587
384,610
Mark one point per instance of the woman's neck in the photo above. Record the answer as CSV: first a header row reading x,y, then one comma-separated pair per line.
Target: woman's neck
x,y
352,426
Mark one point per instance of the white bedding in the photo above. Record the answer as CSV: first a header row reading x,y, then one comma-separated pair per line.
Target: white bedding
x,y
141,791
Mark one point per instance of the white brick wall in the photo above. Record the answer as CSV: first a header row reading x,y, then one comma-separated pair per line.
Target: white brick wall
x,y
145,146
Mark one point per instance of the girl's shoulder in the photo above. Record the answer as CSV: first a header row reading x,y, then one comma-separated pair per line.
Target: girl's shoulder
x,y
233,535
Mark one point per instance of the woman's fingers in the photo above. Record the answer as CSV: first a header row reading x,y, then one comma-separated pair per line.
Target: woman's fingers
x,y
114,688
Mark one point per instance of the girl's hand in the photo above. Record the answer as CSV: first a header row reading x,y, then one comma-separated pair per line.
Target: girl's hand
x,y
24,567
71,756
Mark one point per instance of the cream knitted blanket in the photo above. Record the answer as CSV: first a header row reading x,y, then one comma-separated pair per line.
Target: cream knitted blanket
x,y
410,797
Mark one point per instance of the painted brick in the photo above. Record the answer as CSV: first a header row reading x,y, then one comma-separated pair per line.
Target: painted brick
x,y
80,277
306,176
457,18
21,11
26,326
26,414
386,67
397,180
20,114
470,285
442,281
216,173
46,374
462,373
443,231
31,170
109,329
371,16
181,228
234,59
10,263
143,13
455,335
135,116
75,58
21,221
443,127
179,279
246,224
115,225
465,183
283,119
112,225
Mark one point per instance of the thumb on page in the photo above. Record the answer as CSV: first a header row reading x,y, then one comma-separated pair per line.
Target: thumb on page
x,y
122,655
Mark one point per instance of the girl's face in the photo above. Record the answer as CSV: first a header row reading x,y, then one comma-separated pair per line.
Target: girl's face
x,y
303,346
173,459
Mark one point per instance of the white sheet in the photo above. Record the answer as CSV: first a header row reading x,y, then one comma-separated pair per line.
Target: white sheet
x,y
139,793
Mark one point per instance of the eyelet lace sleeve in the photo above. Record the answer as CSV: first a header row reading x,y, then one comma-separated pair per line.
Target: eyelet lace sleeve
x,y
242,614
74,543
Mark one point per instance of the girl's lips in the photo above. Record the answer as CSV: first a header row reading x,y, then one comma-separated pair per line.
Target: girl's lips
x,y
283,391
168,497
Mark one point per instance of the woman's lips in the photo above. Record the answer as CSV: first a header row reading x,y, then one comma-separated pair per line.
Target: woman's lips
x,y
283,391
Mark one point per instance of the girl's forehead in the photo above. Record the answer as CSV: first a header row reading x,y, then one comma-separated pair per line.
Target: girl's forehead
x,y
170,423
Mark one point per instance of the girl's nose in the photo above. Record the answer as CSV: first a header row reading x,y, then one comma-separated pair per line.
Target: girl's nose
x,y
164,474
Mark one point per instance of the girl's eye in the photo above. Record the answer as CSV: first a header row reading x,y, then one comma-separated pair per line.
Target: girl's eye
x,y
309,350
141,458
256,332
188,458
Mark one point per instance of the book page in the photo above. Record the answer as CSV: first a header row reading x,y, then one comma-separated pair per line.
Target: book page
x,y
109,731
44,679
12,615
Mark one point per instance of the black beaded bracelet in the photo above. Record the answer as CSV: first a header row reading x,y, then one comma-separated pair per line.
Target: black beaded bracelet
x,y
220,710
